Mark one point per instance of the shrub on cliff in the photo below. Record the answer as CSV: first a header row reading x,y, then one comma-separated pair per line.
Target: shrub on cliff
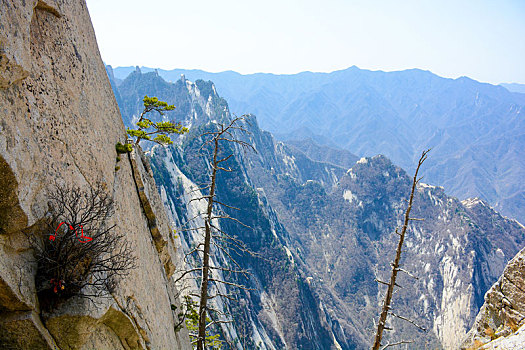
x,y
122,149
78,253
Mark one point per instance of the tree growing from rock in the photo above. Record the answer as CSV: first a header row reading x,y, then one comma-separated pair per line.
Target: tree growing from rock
x,y
160,130
396,268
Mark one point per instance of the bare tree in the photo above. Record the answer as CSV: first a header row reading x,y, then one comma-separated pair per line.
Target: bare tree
x,y
216,239
77,251
381,326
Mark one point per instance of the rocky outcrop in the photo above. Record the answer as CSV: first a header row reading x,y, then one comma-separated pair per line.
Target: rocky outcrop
x,y
60,123
515,341
500,323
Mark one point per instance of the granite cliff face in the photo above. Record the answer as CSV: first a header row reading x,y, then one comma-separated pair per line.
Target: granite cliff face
x,y
500,323
60,123
335,226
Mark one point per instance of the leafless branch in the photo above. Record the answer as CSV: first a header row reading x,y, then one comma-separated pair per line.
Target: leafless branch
x,y
409,321
408,273
236,285
77,252
187,272
397,343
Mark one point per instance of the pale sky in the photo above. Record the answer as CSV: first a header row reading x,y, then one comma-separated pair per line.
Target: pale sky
x,y
481,39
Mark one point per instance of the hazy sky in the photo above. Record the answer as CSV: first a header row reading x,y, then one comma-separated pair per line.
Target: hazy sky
x,y
482,39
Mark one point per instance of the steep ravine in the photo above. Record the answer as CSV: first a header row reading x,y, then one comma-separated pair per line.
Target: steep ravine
x,y
60,123
342,233
281,311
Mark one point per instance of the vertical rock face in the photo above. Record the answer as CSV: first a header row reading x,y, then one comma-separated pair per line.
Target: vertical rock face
x,y
60,123
500,323
280,311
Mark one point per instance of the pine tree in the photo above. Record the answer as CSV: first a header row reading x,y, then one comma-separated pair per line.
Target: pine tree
x,y
147,128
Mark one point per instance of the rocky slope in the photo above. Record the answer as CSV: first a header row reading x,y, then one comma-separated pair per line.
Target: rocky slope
x,y
474,129
60,123
335,227
500,323
342,233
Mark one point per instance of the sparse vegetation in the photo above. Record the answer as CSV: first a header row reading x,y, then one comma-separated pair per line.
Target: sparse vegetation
x,y
121,149
78,253
190,317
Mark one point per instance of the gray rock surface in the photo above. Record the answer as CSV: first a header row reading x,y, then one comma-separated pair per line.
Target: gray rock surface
x,y
501,320
60,123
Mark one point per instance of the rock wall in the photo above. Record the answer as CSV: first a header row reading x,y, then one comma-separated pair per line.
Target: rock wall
x,y
500,323
60,123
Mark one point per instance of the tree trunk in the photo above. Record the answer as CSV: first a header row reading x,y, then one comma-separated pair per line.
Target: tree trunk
x,y
201,340
395,264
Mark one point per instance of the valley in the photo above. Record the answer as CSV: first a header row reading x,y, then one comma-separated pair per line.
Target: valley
x,y
332,220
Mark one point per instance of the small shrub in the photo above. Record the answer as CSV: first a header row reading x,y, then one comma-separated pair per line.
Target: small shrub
x,y
121,149
77,252
490,332
117,168
118,159
477,344
512,324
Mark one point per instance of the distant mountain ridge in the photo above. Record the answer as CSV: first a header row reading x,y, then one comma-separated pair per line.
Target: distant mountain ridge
x,y
514,87
476,130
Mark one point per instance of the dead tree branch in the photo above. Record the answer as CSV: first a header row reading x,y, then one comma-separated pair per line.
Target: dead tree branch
x,y
397,343
395,265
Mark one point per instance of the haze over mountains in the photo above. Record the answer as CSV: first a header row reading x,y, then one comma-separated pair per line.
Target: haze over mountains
x,y
476,130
